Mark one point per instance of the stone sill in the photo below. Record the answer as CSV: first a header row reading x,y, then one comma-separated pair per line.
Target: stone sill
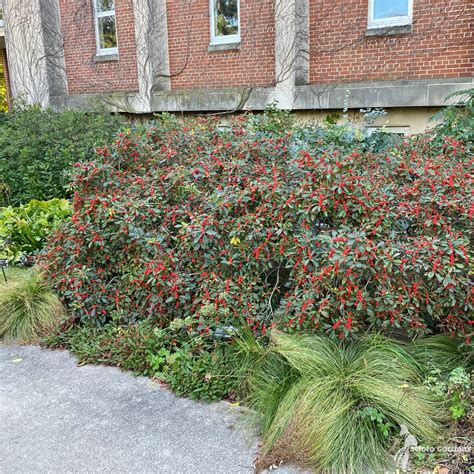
x,y
102,58
224,47
389,30
387,94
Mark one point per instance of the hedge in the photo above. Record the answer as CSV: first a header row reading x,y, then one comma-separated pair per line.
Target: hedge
x,y
38,146
185,219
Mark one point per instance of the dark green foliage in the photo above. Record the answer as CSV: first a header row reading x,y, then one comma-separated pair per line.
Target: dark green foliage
x,y
128,347
273,122
381,140
37,147
457,119
196,371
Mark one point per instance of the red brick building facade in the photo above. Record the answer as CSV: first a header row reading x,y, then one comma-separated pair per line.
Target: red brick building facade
x,y
193,65
440,44
212,55
85,74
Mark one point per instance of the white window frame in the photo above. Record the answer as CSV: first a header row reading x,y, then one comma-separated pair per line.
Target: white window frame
x,y
390,21
224,39
104,51
404,131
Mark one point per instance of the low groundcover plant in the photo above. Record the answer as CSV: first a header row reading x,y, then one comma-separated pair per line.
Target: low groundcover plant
x,y
198,364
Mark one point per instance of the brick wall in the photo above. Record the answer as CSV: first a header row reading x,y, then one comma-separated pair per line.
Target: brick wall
x,y
3,60
440,45
193,66
84,73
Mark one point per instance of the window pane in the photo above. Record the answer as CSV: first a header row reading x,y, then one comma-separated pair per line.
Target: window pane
x,y
226,17
105,5
107,33
389,8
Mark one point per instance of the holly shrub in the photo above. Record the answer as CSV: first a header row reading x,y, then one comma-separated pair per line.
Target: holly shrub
x,y
181,219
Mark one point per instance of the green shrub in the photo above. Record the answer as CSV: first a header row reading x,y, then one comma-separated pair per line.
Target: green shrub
x,y
284,231
339,408
272,122
28,307
24,229
197,363
457,120
37,147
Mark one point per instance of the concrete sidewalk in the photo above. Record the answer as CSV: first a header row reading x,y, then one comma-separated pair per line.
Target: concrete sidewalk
x,y
57,417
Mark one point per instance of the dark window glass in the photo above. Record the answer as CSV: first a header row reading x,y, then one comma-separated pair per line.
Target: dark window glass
x,y
107,32
105,5
226,17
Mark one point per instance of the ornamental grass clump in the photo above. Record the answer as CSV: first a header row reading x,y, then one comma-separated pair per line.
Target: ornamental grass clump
x,y
340,408
443,352
28,307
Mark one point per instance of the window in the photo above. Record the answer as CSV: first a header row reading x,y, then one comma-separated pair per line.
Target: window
x,y
386,13
1,16
225,21
105,27
400,131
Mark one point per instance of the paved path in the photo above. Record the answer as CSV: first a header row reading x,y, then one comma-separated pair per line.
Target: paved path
x,y
57,417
